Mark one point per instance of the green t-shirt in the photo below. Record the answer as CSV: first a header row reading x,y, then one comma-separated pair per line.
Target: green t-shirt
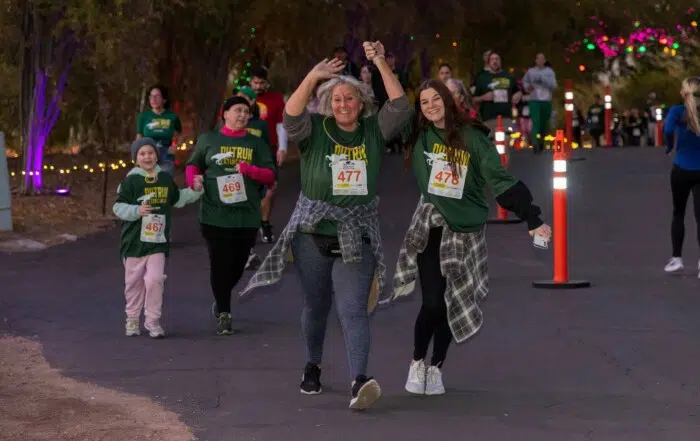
x,y
504,86
483,167
319,150
161,128
258,127
217,155
162,195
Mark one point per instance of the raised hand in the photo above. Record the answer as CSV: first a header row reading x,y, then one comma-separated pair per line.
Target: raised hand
x,y
325,70
373,50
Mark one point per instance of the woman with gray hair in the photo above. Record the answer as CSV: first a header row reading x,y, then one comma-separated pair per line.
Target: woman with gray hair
x,y
459,94
333,232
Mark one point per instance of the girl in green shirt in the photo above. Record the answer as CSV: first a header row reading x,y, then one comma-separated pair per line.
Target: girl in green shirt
x,y
453,162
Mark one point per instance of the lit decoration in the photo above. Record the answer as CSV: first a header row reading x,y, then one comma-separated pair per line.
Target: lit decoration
x,y
244,77
640,41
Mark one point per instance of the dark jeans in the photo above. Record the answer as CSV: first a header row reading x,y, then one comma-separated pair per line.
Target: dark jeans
x,y
432,319
228,253
682,183
325,279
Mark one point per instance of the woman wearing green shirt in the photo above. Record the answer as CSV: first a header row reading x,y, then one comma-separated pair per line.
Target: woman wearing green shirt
x,y
161,124
445,245
334,230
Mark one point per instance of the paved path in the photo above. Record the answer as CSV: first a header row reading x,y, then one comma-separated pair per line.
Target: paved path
x,y
619,361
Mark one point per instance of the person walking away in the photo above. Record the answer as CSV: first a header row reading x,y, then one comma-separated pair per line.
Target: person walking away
x,y
161,124
540,82
234,164
445,246
334,230
144,202
682,133
596,120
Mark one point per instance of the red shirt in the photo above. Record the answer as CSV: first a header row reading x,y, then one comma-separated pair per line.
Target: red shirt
x,y
271,106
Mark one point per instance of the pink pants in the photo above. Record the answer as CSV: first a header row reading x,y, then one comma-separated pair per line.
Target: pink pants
x,y
144,277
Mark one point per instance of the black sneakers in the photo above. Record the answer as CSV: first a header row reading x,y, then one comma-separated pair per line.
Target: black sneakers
x,y
266,232
311,380
365,392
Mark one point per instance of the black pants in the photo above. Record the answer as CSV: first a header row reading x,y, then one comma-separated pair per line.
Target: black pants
x,y
682,183
432,319
228,253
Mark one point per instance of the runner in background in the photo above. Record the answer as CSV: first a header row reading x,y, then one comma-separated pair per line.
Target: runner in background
x,y
444,72
540,82
596,120
160,124
271,106
496,92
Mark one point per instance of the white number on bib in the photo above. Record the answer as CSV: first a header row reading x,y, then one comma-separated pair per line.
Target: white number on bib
x,y
500,96
349,178
231,189
526,111
153,228
444,183
636,132
594,119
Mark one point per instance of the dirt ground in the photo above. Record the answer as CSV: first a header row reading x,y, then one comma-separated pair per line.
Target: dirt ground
x,y
38,404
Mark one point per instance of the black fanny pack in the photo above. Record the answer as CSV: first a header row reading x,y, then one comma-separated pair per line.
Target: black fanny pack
x,y
329,246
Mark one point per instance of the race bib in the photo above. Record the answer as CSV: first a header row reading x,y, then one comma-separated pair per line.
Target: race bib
x,y
574,123
594,119
444,183
231,188
500,96
636,132
526,111
349,178
153,228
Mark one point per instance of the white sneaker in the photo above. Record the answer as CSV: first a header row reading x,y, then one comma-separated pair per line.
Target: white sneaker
x,y
698,269
433,383
132,327
155,330
415,383
674,264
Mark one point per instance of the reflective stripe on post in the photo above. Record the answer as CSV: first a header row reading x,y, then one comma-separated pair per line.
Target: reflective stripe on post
x,y
500,142
608,117
569,117
659,127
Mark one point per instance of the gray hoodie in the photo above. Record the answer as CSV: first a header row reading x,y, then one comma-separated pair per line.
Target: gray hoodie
x,y
544,82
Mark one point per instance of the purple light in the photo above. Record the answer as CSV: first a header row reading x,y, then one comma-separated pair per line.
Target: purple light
x,y
62,191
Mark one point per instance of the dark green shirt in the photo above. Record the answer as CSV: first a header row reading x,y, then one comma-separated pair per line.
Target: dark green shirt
x,y
323,144
161,128
217,155
482,168
504,86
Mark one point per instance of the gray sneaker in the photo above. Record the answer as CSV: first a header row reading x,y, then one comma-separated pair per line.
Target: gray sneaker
x,y
223,326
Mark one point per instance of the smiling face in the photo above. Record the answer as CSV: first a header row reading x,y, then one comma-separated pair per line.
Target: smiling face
x,y
346,105
236,118
432,106
146,158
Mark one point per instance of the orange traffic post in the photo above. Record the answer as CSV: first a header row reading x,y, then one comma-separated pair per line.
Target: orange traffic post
x,y
608,117
659,127
500,138
559,225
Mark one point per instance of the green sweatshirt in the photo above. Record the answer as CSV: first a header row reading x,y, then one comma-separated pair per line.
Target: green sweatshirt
x,y
145,235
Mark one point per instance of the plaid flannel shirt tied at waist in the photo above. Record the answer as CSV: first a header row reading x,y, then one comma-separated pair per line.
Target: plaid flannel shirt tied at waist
x,y
352,223
463,263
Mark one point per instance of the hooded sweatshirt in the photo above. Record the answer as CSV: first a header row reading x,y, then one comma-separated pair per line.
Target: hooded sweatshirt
x,y
544,82
145,235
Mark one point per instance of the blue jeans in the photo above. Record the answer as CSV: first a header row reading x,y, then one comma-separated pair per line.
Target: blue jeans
x,y
323,279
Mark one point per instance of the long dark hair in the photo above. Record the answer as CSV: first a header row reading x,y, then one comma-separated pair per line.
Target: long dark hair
x,y
455,120
163,92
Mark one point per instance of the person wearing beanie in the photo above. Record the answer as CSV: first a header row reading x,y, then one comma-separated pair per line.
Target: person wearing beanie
x,y
144,202
161,124
234,164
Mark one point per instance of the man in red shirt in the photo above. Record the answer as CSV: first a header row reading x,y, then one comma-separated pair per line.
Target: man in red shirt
x,y
271,106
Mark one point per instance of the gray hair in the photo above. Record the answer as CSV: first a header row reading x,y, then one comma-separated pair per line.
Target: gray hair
x,y
460,86
325,96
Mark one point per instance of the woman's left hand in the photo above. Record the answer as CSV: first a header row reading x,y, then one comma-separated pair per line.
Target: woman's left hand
x,y
544,231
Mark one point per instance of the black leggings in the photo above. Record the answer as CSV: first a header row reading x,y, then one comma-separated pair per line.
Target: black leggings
x,y
432,319
682,183
228,253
